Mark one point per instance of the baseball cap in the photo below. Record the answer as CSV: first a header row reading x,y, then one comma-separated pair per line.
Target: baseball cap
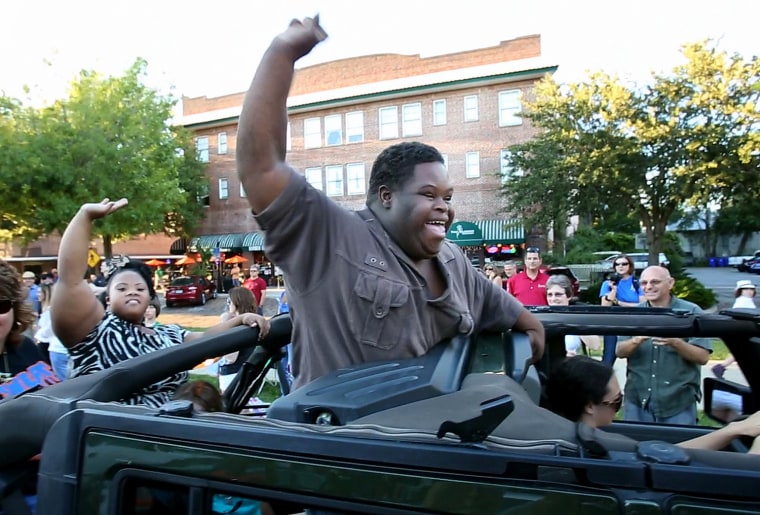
x,y
28,275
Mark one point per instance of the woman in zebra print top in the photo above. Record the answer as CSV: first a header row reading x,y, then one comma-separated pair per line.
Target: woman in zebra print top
x,y
98,338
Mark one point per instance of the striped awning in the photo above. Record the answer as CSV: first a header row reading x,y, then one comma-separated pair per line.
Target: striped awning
x,y
253,241
178,246
225,242
505,230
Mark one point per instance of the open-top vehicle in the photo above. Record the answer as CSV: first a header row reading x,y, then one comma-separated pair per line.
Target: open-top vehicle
x,y
460,430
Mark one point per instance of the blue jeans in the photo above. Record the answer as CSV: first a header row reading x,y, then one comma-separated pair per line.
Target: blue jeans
x,y
608,352
636,413
60,363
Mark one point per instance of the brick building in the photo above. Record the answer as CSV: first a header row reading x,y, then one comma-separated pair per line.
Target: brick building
x,y
343,113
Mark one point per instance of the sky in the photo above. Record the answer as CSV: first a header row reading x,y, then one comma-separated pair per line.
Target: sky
x,y
209,48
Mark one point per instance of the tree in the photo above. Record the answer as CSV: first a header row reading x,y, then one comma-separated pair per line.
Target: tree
x,y
687,138
110,138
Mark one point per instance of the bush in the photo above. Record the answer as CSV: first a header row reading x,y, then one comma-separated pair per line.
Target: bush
x,y
591,294
688,288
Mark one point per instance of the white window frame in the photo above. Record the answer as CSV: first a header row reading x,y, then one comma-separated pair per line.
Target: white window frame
x,y
411,119
314,177
356,178
242,191
334,181
224,188
355,127
312,133
201,148
439,112
470,106
334,130
510,103
472,165
507,172
388,120
221,143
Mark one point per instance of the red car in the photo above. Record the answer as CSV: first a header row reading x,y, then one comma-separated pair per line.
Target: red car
x,y
193,289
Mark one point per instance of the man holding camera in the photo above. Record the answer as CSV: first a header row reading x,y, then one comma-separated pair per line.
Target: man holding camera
x,y
620,289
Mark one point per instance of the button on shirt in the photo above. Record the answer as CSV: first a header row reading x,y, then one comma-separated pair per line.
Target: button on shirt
x,y
659,373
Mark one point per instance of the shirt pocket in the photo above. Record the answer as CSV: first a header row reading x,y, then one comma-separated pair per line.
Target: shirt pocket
x,y
381,310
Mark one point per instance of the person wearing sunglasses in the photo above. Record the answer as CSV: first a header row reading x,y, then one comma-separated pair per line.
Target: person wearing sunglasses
x,y
585,390
620,289
529,286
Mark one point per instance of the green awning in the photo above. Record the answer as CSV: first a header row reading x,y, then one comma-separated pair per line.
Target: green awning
x,y
465,234
225,242
253,241
505,230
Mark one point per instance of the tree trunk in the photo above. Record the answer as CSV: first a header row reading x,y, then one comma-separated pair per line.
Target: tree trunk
x,y
107,246
743,243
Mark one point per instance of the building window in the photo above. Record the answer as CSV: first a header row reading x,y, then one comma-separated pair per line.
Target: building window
x,y
439,112
388,122
355,173
412,120
334,179
510,105
472,165
203,194
333,130
312,133
242,191
221,142
314,177
471,108
288,143
224,191
201,147
507,169
355,127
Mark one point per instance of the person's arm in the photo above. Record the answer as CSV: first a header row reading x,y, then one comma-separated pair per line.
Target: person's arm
x,y
249,319
74,310
720,438
530,325
608,294
686,350
261,144
592,341
626,348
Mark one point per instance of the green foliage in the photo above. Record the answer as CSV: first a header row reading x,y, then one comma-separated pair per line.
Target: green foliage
x,y
688,288
110,138
202,268
590,295
620,153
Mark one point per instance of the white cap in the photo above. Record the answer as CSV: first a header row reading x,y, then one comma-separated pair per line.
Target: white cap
x,y
744,284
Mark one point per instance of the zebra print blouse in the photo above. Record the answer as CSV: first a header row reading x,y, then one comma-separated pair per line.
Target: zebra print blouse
x,y
114,340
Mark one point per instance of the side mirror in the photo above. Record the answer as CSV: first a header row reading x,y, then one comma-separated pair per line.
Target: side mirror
x,y
726,401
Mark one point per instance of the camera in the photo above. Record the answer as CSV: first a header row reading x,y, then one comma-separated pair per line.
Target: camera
x,y
614,278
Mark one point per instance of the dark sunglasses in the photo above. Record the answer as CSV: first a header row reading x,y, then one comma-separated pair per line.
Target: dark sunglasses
x,y
533,249
622,263
615,403
488,269
6,305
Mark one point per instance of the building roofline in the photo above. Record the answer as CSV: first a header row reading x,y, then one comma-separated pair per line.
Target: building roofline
x,y
524,69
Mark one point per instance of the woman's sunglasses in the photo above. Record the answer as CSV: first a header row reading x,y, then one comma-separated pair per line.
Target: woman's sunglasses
x,y
615,403
6,305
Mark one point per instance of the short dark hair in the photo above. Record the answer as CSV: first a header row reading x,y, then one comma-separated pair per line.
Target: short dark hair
x,y
394,166
135,266
576,382
202,394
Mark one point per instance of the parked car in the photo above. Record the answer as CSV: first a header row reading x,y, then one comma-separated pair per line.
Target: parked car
x,y
190,289
356,442
641,260
746,264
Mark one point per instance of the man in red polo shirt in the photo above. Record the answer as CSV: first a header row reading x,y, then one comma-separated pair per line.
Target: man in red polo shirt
x,y
258,286
529,286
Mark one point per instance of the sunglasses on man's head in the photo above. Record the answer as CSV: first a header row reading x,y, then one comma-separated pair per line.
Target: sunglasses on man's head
x,y
533,249
5,306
